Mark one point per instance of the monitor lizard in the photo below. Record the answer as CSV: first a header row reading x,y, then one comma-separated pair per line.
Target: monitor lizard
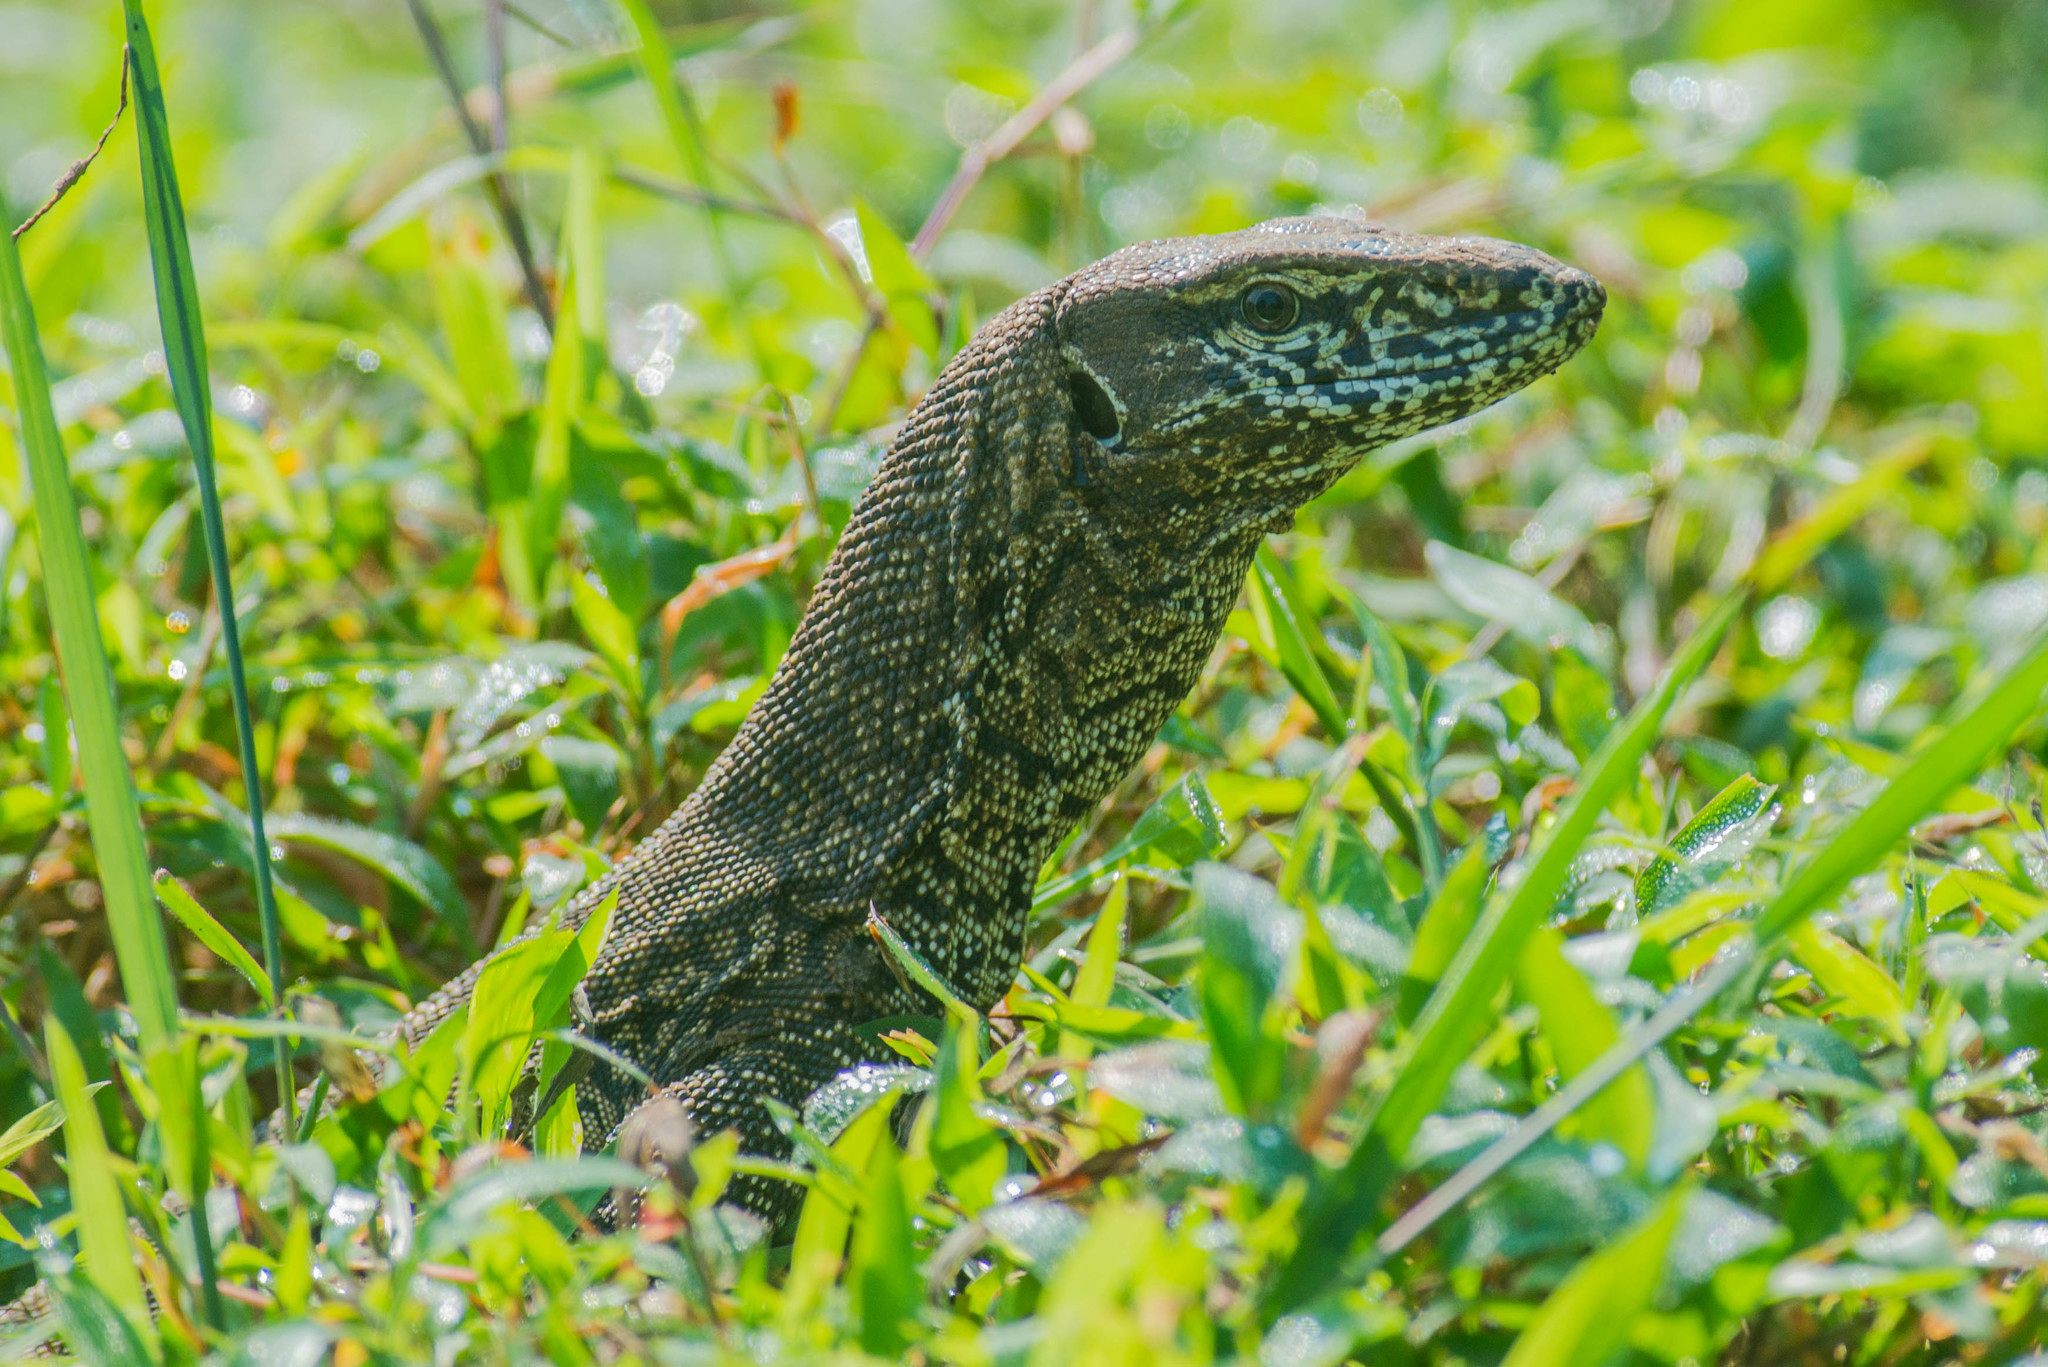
x,y
1026,591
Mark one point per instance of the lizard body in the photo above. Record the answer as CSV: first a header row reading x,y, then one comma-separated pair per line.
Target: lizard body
x,y
1026,591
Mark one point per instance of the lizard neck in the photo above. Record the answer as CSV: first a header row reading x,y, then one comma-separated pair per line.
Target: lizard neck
x,y
981,661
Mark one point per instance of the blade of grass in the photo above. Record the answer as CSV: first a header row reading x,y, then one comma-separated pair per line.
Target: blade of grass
x,y
110,805
111,808
102,1228
1458,1011
177,301
214,935
1945,763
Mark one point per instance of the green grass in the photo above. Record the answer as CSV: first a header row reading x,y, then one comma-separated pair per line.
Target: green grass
x,y
1591,910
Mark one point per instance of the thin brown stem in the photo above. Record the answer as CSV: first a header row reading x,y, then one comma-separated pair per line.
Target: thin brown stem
x,y
494,56
976,160
667,187
76,171
497,186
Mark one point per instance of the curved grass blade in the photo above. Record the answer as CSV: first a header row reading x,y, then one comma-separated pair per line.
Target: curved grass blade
x,y
111,808
177,302
1946,762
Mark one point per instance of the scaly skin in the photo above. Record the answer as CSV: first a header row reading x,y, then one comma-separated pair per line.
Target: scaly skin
x,y
1025,593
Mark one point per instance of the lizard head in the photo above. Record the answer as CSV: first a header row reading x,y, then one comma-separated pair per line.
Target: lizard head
x,y
1267,361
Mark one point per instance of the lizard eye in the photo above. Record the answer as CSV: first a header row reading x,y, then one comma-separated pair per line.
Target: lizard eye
x,y
1270,307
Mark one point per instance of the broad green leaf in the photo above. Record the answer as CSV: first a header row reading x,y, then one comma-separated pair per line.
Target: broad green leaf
x,y
609,630
1097,975
523,993
29,1131
294,1283
530,519
611,533
827,1215
1464,690
897,277
882,1266
1390,671
1848,973
589,773
1582,701
400,862
470,308
1113,1026
1347,871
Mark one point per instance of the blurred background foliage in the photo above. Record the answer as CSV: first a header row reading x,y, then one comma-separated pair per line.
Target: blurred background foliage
x,y
511,575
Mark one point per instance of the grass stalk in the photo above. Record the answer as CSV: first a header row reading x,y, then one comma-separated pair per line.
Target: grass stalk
x,y
112,811
184,335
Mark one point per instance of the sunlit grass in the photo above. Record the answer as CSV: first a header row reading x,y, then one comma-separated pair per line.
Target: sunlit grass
x,y
1588,911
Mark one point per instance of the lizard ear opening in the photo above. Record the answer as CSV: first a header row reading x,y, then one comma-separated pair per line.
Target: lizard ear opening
x,y
1094,408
